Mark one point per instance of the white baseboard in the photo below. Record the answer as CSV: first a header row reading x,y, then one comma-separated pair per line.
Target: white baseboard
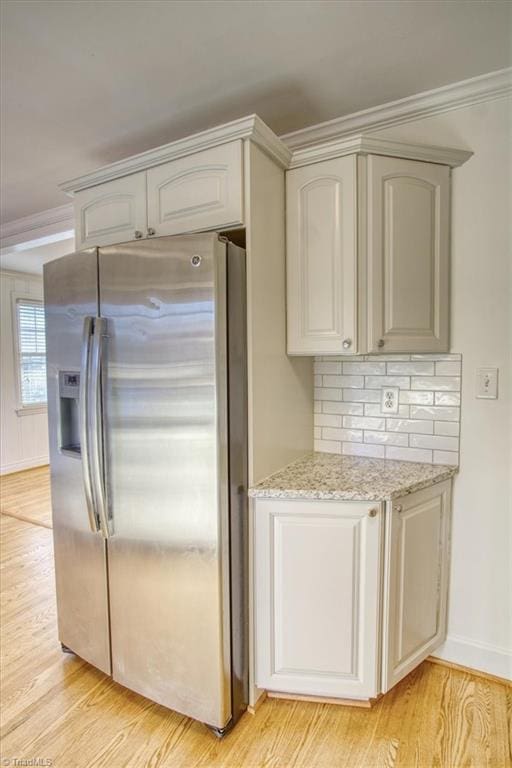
x,y
18,466
476,655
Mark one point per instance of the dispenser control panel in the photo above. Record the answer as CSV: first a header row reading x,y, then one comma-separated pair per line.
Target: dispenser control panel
x,y
69,417
69,383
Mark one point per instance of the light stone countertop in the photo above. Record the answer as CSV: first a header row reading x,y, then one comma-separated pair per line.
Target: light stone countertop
x,y
330,476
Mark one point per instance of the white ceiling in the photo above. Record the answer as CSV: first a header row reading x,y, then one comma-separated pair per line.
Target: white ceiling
x,y
86,83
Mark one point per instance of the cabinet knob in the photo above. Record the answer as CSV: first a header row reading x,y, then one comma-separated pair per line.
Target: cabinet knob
x,y
380,343
137,234
347,343
151,232
398,508
372,512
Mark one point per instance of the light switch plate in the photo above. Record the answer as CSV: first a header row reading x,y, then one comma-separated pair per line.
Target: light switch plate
x,y
487,383
389,399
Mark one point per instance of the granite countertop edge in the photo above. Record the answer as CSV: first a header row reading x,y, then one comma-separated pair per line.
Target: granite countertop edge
x,y
315,476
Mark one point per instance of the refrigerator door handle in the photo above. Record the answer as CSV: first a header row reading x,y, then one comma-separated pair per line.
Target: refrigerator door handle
x,y
96,426
84,422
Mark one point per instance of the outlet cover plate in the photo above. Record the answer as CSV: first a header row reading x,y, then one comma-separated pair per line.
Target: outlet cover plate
x,y
389,399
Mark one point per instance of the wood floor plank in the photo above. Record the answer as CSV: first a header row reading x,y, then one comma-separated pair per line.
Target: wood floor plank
x,y
58,707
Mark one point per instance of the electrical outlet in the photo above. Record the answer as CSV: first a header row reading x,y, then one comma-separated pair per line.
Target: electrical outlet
x,y
487,383
389,399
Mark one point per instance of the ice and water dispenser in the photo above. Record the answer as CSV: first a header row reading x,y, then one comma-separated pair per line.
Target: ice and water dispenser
x,y
69,389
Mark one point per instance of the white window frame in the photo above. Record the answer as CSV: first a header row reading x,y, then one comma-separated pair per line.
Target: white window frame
x,y
22,410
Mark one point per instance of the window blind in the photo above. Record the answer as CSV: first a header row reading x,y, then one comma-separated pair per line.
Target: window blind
x,y
31,351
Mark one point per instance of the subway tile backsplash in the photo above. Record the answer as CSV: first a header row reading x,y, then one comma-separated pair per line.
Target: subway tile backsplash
x,y
348,417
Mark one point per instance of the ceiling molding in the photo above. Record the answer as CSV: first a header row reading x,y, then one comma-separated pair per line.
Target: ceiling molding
x,y
14,274
494,85
38,228
374,145
250,127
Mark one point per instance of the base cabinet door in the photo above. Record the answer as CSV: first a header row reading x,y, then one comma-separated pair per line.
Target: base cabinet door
x,y
317,584
114,212
198,192
416,580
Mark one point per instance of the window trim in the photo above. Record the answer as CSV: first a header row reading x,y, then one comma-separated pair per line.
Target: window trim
x,y
21,409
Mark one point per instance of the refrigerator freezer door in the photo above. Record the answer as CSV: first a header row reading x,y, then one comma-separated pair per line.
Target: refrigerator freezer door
x,y
167,479
71,295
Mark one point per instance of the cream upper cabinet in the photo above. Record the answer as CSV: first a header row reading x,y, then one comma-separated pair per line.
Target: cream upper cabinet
x,y
197,192
416,574
368,256
321,254
112,212
407,235
317,585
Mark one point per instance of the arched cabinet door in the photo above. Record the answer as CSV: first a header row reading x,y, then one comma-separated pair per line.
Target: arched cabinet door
x,y
197,192
112,212
321,257
408,247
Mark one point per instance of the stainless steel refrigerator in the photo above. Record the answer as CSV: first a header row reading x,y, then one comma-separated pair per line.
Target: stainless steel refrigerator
x,y
146,348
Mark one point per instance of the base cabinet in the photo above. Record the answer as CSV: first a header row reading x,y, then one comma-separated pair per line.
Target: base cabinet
x,y
416,569
349,596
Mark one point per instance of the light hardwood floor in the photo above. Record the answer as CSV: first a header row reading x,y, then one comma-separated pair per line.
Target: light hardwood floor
x,y
56,706
26,496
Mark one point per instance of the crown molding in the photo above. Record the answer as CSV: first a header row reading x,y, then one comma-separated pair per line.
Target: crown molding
x,y
38,229
250,127
494,85
374,145
335,137
266,139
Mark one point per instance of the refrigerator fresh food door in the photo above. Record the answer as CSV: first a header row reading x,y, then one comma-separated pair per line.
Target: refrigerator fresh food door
x,y
165,411
71,308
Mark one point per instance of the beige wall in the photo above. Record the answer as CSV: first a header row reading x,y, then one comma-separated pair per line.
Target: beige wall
x,y
23,438
480,612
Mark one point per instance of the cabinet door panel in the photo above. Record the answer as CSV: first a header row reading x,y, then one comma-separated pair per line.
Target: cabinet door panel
x,y
407,255
417,570
317,585
111,212
197,192
321,257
